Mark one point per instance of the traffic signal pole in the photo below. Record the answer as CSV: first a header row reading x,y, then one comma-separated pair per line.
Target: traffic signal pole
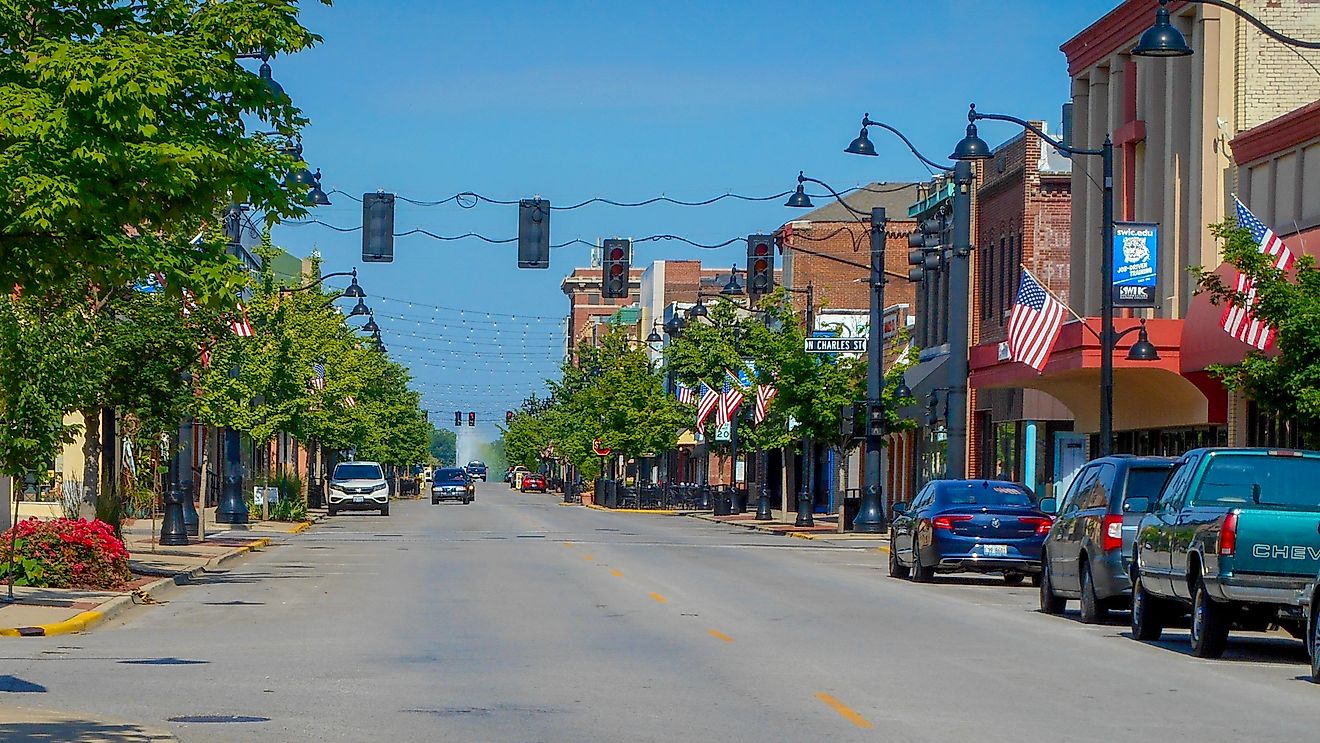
x,y
960,272
871,516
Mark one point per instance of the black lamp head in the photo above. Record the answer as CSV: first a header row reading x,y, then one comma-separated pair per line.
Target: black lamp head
x,y
317,197
732,288
674,326
862,145
799,199
654,337
902,391
360,309
1162,39
354,291
264,73
972,147
1143,349
698,310
371,326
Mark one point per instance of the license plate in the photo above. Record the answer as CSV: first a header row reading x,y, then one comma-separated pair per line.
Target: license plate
x,y
357,499
994,550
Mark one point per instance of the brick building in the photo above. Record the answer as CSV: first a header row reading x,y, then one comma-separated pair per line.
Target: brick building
x,y
586,307
1172,121
1024,213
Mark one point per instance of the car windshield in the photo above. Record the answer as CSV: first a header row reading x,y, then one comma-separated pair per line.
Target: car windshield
x,y
1146,482
986,494
358,472
1268,481
450,475
476,464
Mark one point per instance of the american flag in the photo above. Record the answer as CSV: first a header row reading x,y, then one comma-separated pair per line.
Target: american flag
x,y
206,353
710,400
1239,322
765,393
318,375
730,399
1034,324
242,328
686,394
350,402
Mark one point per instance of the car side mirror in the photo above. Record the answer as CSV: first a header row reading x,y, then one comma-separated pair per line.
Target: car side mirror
x,y
900,507
1136,504
1048,505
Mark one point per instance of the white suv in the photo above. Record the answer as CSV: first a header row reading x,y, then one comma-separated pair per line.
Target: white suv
x,y
358,486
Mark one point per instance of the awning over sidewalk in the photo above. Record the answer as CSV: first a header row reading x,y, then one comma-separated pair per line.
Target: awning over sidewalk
x,y
923,378
1147,394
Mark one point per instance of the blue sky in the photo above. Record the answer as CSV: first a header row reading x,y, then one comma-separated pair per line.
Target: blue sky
x,y
570,100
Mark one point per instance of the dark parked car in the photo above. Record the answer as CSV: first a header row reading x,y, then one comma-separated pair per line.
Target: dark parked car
x,y
451,483
983,526
1088,553
533,482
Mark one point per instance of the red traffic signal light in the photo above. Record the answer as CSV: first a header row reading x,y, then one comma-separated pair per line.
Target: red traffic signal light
x,y
760,264
472,419
508,416
614,278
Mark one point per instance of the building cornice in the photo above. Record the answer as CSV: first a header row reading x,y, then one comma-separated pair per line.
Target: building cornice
x,y
1277,135
1114,32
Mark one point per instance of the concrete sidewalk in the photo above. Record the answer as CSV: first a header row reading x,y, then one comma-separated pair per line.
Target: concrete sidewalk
x,y
39,612
26,725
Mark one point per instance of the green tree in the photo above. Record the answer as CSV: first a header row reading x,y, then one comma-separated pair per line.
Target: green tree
x,y
122,133
443,446
1286,383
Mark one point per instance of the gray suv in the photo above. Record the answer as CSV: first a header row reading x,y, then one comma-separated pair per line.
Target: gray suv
x,y
1088,549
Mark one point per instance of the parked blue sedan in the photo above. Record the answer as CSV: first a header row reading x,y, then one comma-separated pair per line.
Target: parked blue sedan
x,y
981,526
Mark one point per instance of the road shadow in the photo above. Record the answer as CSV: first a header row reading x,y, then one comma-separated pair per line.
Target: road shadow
x,y
1243,647
76,731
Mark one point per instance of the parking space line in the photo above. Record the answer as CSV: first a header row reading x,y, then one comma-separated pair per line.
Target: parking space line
x,y
844,710
719,635
658,598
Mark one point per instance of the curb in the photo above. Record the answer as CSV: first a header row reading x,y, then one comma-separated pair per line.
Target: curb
x,y
655,512
92,617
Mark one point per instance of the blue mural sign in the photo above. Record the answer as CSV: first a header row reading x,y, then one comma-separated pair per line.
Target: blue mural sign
x,y
1135,282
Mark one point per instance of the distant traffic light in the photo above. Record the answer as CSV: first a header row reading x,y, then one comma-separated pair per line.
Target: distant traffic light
x,y
614,269
508,416
378,227
760,265
458,418
533,233
926,243
472,419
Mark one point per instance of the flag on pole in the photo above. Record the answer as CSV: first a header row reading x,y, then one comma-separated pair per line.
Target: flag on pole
x,y
206,353
350,402
710,400
1239,322
686,395
318,375
730,399
765,393
242,328
1034,323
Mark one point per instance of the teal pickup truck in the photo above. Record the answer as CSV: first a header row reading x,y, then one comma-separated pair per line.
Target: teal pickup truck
x,y
1234,537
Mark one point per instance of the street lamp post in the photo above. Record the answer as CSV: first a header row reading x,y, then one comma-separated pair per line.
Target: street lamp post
x,y
1164,40
871,516
972,147
805,500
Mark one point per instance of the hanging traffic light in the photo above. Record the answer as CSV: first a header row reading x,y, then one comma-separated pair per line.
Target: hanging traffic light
x,y
760,265
533,233
927,244
614,269
378,227
458,418
508,416
472,419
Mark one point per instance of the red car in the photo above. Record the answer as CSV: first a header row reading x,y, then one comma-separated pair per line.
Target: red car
x,y
533,482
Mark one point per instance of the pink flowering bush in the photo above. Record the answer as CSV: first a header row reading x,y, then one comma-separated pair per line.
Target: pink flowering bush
x,y
65,553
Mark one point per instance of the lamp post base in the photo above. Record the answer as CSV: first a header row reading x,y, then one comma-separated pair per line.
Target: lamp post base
x,y
763,506
172,530
871,516
804,517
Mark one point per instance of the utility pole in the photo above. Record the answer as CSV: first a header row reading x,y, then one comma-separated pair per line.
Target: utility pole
x,y
960,272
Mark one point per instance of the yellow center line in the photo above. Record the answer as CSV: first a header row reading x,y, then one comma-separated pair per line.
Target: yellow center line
x,y
568,544
719,635
844,711
659,598
588,558
616,573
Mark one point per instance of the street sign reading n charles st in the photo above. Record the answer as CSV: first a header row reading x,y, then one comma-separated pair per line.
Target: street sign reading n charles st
x,y
835,345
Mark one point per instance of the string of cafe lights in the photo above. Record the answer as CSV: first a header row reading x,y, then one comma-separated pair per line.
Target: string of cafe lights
x,y
469,199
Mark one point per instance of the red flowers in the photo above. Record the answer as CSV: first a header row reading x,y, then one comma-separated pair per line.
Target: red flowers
x,y
66,553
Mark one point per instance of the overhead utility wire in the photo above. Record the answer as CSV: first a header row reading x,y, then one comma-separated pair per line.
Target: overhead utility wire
x,y
468,199
508,240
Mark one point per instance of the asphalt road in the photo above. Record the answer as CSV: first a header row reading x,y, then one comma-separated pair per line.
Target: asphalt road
x,y
516,619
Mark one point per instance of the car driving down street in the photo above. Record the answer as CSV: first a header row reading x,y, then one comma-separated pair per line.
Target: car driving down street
x,y
451,483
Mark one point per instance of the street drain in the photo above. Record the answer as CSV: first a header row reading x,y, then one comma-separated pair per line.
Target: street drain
x,y
217,718
163,662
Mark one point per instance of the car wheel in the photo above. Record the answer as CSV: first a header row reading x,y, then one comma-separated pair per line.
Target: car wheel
x,y
331,511
435,501
896,569
921,573
1147,612
1050,603
1210,624
1093,610
1014,579
385,510
1314,643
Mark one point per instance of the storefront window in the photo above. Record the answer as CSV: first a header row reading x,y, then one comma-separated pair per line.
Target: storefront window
x,y
934,455
1006,451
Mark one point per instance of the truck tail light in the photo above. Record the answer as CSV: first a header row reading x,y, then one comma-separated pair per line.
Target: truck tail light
x,y
946,522
1228,535
1112,539
1042,523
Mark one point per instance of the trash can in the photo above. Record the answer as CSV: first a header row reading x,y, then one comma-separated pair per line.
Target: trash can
x,y
851,507
739,499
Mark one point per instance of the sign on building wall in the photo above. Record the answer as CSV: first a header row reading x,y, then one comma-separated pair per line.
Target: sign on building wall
x,y
1136,264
